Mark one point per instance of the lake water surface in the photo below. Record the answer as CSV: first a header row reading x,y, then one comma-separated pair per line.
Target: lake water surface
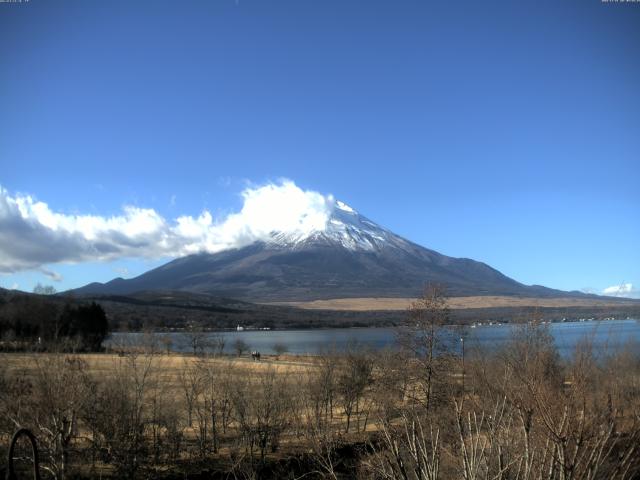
x,y
606,336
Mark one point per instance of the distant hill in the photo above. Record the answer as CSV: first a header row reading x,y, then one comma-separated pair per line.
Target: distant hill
x,y
162,310
178,310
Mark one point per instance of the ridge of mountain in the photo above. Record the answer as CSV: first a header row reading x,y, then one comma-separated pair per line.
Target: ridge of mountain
x,y
351,256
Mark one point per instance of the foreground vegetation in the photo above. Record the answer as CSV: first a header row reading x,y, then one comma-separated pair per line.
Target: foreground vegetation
x,y
419,412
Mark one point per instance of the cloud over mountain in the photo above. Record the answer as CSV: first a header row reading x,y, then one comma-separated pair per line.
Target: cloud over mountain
x,y
625,290
32,235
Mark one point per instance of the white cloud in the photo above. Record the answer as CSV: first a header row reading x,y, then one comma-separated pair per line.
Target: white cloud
x,y
32,235
55,276
623,290
14,286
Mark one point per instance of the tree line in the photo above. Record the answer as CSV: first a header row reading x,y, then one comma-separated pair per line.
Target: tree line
x,y
30,322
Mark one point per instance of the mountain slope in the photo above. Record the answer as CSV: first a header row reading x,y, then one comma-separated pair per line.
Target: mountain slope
x,y
350,257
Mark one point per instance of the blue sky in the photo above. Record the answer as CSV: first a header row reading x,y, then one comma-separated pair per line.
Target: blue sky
x,y
507,132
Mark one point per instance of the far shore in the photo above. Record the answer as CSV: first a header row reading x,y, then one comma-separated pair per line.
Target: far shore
x,y
484,323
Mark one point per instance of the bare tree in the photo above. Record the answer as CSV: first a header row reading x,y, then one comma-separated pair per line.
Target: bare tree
x,y
407,450
120,416
324,442
216,343
197,338
211,408
263,416
240,346
354,376
279,349
422,341
60,392
190,380
321,389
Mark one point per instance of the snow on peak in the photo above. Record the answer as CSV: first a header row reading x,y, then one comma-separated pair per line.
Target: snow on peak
x,y
344,207
344,227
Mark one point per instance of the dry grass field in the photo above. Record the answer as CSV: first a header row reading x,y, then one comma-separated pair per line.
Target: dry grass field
x,y
103,365
455,303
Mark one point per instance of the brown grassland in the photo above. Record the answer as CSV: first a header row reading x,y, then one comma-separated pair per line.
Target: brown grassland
x,y
455,303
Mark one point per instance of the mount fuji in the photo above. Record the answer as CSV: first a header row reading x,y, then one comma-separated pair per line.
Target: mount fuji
x,y
347,256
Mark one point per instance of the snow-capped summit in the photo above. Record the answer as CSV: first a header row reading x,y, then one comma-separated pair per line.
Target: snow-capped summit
x,y
346,228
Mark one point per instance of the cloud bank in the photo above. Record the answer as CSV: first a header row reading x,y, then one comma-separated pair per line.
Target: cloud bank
x,y
625,290
32,235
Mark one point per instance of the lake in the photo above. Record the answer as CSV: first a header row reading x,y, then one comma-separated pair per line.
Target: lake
x,y
607,335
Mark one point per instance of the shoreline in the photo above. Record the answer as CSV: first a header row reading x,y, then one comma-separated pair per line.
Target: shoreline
x,y
377,327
